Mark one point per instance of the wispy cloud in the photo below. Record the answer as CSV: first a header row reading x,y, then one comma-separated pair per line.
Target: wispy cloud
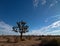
x,y
47,30
35,3
55,32
43,2
6,29
53,29
54,2
55,24
52,18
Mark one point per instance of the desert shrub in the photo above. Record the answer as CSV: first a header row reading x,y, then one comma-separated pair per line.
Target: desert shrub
x,y
2,45
36,45
53,42
44,40
23,40
29,38
38,39
26,37
58,41
32,45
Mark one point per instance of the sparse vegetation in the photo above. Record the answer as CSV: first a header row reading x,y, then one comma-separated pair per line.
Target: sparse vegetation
x,y
31,41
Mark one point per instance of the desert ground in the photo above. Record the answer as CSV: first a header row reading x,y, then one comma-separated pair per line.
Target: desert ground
x,y
30,41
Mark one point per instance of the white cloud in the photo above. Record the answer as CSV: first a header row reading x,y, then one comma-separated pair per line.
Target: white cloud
x,y
35,3
52,18
6,29
55,24
55,32
47,30
51,5
54,2
43,2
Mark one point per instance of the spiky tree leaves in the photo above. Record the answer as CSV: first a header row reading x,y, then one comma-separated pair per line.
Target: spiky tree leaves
x,y
21,28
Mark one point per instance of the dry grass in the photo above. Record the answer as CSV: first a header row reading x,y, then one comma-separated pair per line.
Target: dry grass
x,y
29,41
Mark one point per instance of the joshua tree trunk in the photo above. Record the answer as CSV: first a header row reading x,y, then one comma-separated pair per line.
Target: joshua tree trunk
x,y
21,36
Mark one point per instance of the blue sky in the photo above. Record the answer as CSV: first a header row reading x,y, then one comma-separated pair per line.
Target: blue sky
x,y
42,16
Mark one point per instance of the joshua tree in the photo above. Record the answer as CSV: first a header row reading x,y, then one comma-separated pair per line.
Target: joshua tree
x,y
21,28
